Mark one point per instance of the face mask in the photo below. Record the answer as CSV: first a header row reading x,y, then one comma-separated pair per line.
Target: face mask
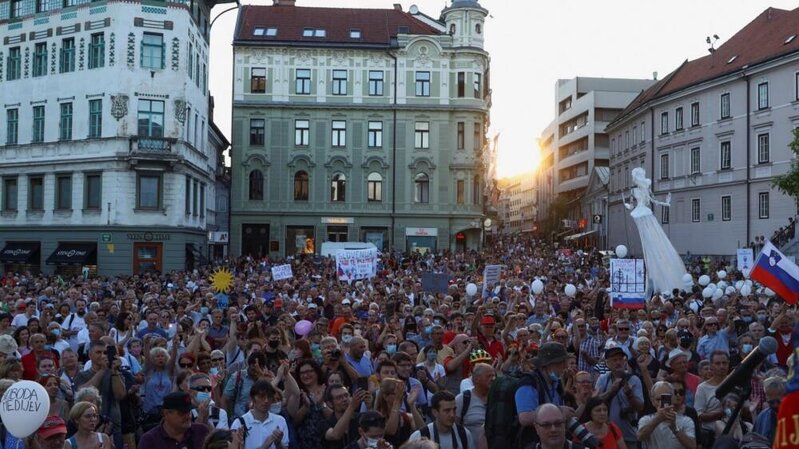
x,y
48,347
747,319
432,356
274,343
391,348
746,348
371,442
214,371
56,332
315,347
437,322
203,396
553,376
727,412
594,328
275,408
428,329
346,338
203,310
761,317
410,335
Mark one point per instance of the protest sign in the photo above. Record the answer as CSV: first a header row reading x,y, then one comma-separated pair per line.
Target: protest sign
x,y
435,282
746,258
352,264
280,272
627,283
491,276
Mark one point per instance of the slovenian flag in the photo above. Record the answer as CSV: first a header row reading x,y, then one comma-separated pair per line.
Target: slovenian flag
x,y
777,272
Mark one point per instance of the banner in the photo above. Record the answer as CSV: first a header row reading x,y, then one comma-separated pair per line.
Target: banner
x,y
435,282
281,272
352,264
627,283
746,257
491,276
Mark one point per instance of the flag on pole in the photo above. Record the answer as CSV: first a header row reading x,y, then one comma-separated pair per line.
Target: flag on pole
x,y
777,272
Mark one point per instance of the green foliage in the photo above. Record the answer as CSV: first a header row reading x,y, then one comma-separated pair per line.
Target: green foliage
x,y
789,182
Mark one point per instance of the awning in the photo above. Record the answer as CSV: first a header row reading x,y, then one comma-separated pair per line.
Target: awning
x,y
72,253
20,252
580,235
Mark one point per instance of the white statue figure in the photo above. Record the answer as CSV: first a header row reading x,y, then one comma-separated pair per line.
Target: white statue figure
x,y
664,267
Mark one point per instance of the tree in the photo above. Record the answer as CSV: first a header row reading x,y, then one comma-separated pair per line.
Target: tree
x,y
789,182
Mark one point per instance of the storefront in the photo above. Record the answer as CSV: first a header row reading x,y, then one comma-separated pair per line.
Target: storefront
x,y
255,240
300,240
378,236
337,228
21,256
421,240
70,258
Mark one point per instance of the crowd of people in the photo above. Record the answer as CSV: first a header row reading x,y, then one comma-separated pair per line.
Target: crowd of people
x,y
162,360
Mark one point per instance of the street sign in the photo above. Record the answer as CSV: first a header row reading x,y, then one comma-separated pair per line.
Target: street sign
x,y
597,218
105,238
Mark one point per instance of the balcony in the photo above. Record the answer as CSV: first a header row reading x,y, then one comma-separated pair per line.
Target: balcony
x,y
153,149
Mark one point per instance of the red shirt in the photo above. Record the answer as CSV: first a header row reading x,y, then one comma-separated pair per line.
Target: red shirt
x,y
30,362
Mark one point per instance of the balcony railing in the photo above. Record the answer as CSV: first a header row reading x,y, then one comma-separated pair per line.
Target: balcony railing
x,y
144,144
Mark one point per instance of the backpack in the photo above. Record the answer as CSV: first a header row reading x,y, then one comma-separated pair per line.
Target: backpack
x,y
467,400
425,432
231,411
502,427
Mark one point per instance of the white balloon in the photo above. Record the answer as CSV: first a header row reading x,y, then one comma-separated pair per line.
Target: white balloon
x,y
748,283
687,279
25,406
621,251
729,291
738,285
537,286
721,274
770,292
570,290
707,292
746,272
718,294
704,280
746,290
471,289
712,286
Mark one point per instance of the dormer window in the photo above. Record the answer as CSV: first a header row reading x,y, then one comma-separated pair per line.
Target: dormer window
x,y
307,32
789,39
259,31
319,33
404,30
272,32
732,59
355,34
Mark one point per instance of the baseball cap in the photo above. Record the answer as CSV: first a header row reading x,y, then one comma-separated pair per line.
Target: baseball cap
x,y
52,426
180,401
346,301
488,321
613,350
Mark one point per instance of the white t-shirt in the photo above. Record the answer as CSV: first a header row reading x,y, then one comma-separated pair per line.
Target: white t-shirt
x,y
73,322
662,437
445,439
705,400
259,431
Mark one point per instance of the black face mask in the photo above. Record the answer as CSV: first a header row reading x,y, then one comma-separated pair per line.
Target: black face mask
x,y
274,343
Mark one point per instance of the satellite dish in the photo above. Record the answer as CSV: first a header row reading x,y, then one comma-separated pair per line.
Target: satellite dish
x,y
413,9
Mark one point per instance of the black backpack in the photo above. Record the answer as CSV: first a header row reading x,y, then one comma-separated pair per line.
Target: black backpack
x,y
425,432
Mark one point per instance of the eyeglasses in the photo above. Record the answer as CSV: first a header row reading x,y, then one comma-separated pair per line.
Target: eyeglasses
x,y
679,392
185,365
217,359
712,324
205,388
551,424
304,372
623,328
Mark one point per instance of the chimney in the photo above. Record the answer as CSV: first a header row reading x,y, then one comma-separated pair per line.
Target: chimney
x,y
398,6
655,76
284,2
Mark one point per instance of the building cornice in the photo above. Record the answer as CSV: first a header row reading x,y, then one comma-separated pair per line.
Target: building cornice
x,y
360,106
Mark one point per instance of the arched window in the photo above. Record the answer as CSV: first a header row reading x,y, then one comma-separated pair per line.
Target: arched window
x,y
476,190
374,187
337,187
301,186
256,185
478,28
452,29
421,188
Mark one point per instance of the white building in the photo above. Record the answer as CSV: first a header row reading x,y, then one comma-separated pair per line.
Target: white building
x,y
517,199
714,133
106,160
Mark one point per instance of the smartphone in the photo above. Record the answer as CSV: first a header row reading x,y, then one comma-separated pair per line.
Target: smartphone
x,y
362,383
111,353
665,400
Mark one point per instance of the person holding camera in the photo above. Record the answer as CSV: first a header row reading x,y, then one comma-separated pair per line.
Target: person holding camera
x,y
105,375
623,392
666,428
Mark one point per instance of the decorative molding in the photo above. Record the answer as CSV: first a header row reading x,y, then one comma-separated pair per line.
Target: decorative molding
x,y
338,160
180,110
301,158
81,53
175,54
15,26
27,62
419,161
375,160
69,15
38,102
2,59
111,49
60,99
95,95
97,24
141,22
131,51
12,105
252,157
119,106
41,21
153,10
10,40
72,29
147,95
97,10
53,52
43,34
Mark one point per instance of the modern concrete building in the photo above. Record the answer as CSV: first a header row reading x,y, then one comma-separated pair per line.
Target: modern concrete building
x,y
714,133
106,159
518,197
358,125
576,138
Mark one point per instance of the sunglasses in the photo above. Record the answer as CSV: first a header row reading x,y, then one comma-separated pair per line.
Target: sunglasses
x,y
203,388
185,365
217,360
551,424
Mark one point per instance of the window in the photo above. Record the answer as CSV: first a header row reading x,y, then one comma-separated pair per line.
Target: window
x,y
374,187
36,193
14,63
422,135
355,34
375,83
63,192
664,166
460,188
664,123
476,190
93,191
95,118
626,140
65,123
202,200
421,188
695,160
478,136
191,61
339,138
762,205
763,148
10,194
664,214
725,106
148,188
97,51
461,84
301,186
256,192
337,187
339,82
40,59
678,119
66,59
695,210
726,208
258,80
302,132
635,135
375,135
422,84
257,131
205,79
152,51
303,85
695,114
42,6
461,135
762,95
12,126
643,132
725,155
478,86
796,85
187,199
38,124
151,118
307,32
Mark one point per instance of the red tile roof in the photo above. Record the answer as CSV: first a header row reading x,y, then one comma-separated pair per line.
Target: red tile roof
x,y
377,26
761,40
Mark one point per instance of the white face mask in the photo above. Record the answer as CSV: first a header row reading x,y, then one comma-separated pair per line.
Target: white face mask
x,y
275,408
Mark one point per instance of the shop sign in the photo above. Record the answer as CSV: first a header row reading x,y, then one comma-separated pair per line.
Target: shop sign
x,y
16,252
218,237
338,220
149,236
105,237
421,232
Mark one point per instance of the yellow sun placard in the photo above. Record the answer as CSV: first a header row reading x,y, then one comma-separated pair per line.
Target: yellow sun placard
x,y
222,280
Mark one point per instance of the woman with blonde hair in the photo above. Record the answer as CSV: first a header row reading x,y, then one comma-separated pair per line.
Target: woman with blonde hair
x,y
85,416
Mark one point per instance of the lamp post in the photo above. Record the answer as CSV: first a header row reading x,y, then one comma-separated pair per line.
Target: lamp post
x,y
211,25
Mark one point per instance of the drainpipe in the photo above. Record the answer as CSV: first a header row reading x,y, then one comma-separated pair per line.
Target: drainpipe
x,y
748,161
652,145
391,55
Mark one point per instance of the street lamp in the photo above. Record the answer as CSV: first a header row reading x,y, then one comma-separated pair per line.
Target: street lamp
x,y
237,6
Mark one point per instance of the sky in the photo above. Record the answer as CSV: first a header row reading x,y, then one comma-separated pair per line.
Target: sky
x,y
533,43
